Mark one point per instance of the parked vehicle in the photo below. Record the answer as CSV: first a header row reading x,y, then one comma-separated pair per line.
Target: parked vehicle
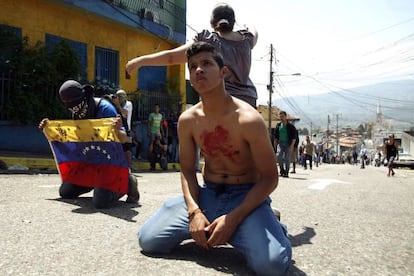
x,y
405,160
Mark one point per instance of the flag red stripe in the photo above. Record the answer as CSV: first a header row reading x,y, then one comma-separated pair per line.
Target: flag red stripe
x,y
109,177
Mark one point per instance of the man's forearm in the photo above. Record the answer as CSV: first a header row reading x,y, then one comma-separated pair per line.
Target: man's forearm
x,y
190,188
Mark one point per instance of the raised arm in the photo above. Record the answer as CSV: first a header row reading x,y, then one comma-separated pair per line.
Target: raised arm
x,y
162,58
254,32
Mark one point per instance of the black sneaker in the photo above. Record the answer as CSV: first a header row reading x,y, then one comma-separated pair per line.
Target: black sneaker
x,y
133,194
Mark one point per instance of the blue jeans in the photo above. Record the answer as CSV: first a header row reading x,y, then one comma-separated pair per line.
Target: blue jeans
x,y
260,238
102,198
173,150
283,157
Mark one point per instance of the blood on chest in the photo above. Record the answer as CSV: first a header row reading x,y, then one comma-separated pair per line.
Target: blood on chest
x,y
217,143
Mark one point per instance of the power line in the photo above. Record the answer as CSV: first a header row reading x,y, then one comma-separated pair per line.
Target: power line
x,y
368,106
292,104
385,28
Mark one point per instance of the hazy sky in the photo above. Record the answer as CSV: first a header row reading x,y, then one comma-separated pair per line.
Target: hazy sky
x,y
334,44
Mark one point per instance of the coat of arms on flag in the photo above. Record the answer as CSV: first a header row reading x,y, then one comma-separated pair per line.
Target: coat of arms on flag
x,y
88,153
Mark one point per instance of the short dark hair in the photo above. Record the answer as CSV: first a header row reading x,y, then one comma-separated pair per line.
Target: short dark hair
x,y
222,18
283,112
201,46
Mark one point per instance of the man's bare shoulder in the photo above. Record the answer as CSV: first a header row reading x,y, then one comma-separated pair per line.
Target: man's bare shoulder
x,y
190,114
247,113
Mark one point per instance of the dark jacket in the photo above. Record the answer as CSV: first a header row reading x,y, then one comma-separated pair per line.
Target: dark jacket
x,y
291,130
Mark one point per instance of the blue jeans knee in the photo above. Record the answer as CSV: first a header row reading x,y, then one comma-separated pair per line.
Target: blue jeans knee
x,y
162,232
70,191
103,198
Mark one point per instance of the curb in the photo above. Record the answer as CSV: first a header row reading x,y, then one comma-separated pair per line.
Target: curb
x,y
39,165
32,163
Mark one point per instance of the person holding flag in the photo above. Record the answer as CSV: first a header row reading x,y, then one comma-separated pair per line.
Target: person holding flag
x,y
89,152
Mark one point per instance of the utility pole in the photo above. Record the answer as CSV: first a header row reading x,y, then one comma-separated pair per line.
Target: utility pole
x,y
311,130
337,134
270,87
327,132
327,129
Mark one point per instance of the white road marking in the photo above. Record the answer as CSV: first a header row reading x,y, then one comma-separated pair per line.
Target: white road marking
x,y
325,182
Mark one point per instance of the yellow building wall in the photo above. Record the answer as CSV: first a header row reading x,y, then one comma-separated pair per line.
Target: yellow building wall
x,y
37,17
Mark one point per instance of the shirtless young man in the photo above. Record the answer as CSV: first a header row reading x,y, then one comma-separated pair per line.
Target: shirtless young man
x,y
233,205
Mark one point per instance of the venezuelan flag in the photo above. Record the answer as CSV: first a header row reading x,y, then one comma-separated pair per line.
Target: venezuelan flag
x,y
88,153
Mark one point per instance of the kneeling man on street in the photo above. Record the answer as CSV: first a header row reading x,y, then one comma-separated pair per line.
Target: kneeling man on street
x,y
232,206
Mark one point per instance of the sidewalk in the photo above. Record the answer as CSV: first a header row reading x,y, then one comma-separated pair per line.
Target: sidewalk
x,y
33,163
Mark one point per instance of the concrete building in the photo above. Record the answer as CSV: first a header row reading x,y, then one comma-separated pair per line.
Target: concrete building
x,y
104,35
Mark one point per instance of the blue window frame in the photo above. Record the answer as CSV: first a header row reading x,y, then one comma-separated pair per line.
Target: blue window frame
x,y
14,30
152,78
79,47
107,66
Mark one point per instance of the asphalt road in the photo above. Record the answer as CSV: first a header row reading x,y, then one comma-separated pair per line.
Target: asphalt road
x,y
343,220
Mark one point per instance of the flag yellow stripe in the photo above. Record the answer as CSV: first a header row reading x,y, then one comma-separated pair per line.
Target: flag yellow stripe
x,y
101,130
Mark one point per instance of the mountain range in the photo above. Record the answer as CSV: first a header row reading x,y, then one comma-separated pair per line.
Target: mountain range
x,y
352,107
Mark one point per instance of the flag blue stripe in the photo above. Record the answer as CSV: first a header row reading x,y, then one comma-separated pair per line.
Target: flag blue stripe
x,y
109,153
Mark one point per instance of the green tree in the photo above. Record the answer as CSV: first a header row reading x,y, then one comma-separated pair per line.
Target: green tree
x,y
33,75
38,72
66,62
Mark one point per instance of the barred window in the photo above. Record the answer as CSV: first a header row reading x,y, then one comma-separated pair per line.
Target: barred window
x,y
107,65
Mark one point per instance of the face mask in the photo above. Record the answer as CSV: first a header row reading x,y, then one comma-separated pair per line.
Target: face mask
x,y
80,110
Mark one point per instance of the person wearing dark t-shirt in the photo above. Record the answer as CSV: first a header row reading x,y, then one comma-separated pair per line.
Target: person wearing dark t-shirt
x,y
391,153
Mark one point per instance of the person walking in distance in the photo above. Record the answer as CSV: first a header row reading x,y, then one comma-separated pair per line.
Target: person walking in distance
x,y
284,143
355,157
363,155
309,151
390,150
294,155
235,46
232,206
